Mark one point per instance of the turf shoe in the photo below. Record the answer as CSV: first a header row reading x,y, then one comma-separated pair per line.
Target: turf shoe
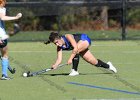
x,y
111,67
4,77
73,73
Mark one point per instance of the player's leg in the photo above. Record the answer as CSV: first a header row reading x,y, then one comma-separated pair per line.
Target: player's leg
x,y
10,68
89,57
4,62
75,63
86,54
82,45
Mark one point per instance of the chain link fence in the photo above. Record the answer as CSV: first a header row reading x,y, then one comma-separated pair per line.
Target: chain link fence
x,y
100,19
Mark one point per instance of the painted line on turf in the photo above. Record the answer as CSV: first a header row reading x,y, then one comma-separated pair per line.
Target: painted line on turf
x,y
104,88
118,78
107,45
27,68
107,99
127,63
126,52
123,81
32,51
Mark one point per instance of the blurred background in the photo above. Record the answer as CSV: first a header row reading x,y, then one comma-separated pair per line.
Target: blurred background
x,y
100,19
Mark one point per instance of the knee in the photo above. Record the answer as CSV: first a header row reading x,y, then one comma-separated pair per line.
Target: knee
x,y
4,56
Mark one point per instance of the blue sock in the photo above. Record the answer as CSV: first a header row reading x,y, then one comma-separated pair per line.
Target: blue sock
x,y
4,64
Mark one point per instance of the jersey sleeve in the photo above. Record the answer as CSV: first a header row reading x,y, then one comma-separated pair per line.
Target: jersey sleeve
x,y
3,10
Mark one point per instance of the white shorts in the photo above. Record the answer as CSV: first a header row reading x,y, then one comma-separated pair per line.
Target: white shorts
x,y
3,35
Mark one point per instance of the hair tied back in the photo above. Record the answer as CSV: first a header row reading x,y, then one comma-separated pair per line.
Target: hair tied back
x,y
47,42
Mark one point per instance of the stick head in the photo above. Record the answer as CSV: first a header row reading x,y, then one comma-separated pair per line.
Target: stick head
x,y
29,74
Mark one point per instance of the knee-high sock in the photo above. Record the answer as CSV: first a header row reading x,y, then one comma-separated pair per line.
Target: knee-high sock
x,y
75,62
102,64
4,63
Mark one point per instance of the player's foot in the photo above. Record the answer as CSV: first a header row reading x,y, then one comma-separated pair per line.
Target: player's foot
x,y
4,77
13,71
73,73
111,67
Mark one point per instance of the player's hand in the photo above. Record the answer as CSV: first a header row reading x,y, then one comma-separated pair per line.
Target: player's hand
x,y
19,15
69,62
1,42
54,67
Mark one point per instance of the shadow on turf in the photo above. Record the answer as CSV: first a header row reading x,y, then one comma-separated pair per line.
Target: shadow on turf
x,y
66,74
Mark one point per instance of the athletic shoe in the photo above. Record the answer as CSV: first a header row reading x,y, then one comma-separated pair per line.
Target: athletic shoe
x,y
111,67
13,71
73,73
5,77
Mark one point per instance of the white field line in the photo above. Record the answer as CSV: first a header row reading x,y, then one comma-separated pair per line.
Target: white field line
x,y
112,45
38,51
131,51
29,51
113,63
137,51
110,99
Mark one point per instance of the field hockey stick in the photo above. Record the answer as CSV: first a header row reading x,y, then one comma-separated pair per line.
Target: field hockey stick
x,y
29,74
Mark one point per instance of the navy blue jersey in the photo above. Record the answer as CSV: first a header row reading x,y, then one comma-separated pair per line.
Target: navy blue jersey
x,y
77,38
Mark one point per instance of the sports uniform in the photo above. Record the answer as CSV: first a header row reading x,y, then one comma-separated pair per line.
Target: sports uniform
x,y
68,46
77,38
3,35
3,38
81,48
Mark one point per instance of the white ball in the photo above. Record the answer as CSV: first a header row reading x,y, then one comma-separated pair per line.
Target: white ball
x,y
19,15
25,74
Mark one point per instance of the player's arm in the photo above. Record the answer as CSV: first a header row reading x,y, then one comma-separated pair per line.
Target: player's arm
x,y
75,47
59,58
6,18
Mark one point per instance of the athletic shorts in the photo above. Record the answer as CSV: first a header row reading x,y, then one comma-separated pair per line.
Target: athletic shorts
x,y
85,37
4,43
